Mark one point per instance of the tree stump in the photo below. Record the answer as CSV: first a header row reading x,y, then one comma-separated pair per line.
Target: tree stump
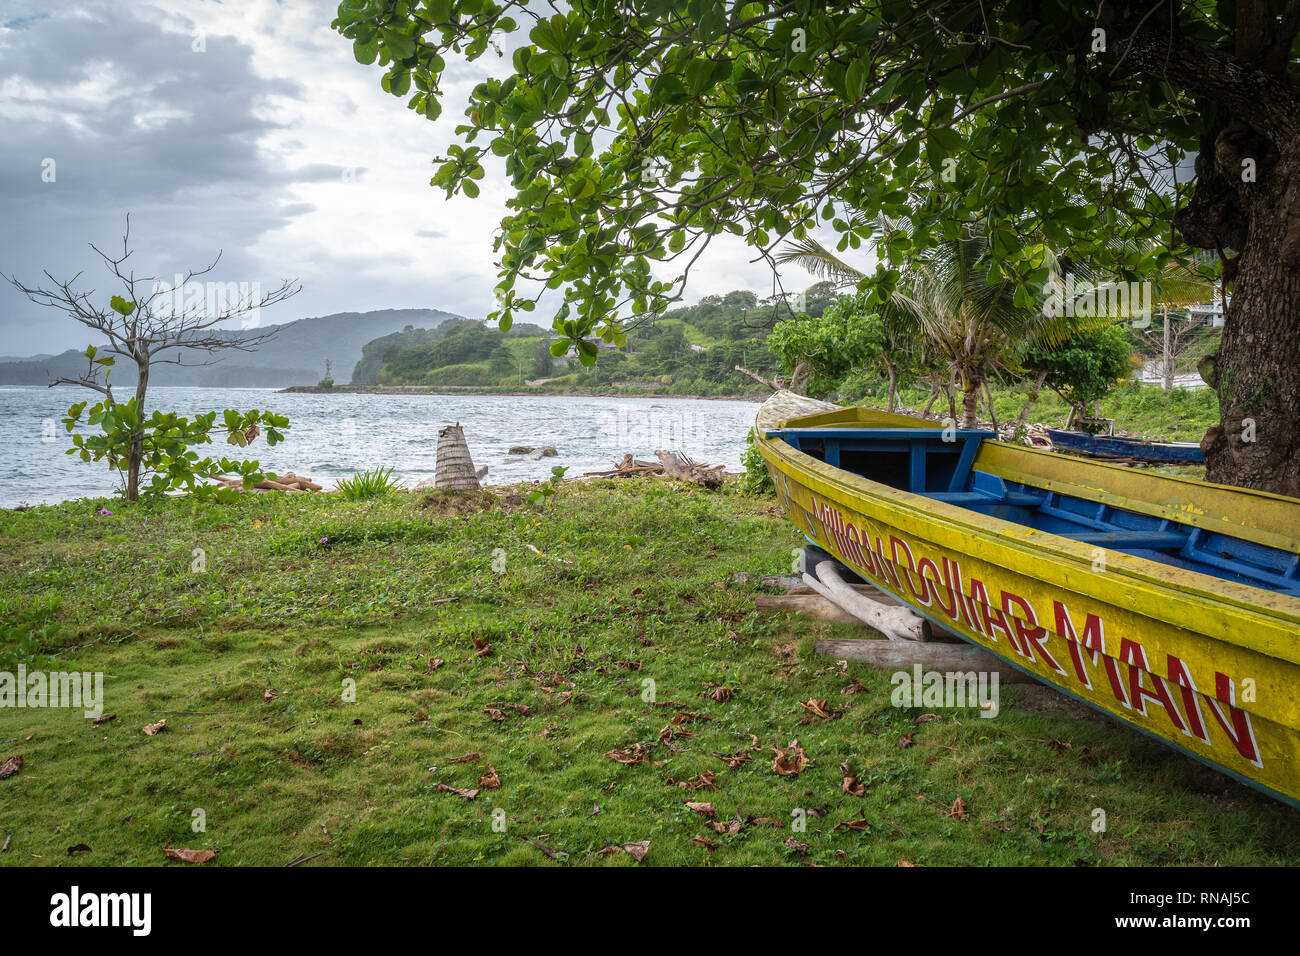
x,y
455,468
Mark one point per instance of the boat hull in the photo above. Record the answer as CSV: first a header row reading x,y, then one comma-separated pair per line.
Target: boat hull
x,y
1112,446
1150,646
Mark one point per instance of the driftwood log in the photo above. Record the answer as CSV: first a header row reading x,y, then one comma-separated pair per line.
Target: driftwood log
x,y
893,620
903,655
677,465
287,481
629,467
809,605
670,463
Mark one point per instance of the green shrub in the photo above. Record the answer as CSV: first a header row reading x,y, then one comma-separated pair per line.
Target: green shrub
x,y
369,484
757,480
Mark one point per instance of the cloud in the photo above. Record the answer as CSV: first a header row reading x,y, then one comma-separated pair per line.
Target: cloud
x,y
247,128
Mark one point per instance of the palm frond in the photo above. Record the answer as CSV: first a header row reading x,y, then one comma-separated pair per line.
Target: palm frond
x,y
819,261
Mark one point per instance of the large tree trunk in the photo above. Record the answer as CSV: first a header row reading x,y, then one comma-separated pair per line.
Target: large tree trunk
x,y
136,454
1256,371
1246,200
893,386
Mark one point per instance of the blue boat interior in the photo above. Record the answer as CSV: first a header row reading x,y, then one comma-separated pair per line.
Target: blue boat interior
x,y
1122,446
939,465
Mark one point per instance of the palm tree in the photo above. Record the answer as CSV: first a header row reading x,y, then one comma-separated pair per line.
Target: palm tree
x,y
945,298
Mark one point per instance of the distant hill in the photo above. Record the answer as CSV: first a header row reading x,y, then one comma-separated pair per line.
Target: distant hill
x,y
295,356
465,341
367,369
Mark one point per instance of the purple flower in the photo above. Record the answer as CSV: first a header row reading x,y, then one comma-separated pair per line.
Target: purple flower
x,y
324,540
104,512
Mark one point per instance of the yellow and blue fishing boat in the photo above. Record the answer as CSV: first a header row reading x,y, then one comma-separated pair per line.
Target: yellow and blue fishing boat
x,y
1171,604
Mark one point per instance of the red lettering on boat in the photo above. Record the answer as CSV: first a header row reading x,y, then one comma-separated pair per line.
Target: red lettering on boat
x,y
1133,654
1180,675
1028,631
854,545
965,606
922,594
934,583
1241,733
991,617
884,566
1094,642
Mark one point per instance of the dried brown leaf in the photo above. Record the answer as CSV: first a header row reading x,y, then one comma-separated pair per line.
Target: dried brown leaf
x,y
637,851
819,708
188,856
789,761
858,826
467,794
637,753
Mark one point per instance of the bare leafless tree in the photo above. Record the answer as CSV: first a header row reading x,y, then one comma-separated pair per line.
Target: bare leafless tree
x,y
1176,345
145,322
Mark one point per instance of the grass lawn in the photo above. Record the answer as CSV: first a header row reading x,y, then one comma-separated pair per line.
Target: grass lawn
x,y
614,635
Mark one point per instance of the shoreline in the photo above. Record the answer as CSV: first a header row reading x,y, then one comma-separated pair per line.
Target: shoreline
x,y
756,397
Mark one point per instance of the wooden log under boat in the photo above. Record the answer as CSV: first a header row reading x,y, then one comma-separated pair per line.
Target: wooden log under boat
x,y
904,655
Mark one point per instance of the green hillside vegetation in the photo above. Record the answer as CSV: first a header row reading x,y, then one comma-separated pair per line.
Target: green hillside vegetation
x,y
367,370
413,352
692,350
461,353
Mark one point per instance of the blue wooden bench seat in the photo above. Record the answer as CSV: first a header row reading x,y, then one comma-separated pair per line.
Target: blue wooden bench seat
x,y
1130,540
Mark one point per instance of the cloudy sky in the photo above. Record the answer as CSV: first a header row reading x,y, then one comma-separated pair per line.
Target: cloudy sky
x,y
245,127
